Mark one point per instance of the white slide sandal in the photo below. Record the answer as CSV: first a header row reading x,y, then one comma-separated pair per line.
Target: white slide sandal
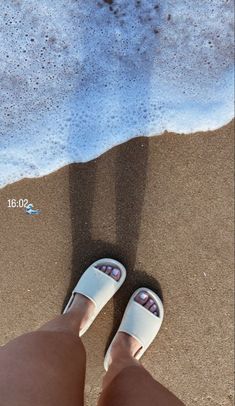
x,y
98,287
139,323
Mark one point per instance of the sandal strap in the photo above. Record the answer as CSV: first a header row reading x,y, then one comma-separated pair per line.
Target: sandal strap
x,y
140,323
96,286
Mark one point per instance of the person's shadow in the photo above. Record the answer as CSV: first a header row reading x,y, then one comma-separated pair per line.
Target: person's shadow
x,y
130,160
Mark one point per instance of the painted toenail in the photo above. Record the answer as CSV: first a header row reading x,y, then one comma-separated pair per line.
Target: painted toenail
x,y
153,308
115,272
143,295
103,268
109,268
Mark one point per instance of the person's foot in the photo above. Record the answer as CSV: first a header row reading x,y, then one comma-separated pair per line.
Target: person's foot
x,y
82,307
126,346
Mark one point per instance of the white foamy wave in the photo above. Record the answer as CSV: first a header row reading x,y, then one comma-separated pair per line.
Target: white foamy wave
x,y
78,77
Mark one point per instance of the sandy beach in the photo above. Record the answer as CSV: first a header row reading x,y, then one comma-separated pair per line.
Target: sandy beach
x,y
164,207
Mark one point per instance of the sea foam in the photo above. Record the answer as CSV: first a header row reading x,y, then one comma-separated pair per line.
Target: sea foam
x,y
78,77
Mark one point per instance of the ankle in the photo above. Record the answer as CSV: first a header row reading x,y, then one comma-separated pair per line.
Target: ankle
x,y
122,355
70,322
117,365
66,323
124,347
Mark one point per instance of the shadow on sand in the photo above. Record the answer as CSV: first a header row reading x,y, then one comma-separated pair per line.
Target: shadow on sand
x,y
131,160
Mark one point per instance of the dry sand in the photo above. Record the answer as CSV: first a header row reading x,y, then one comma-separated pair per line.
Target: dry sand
x,y
164,207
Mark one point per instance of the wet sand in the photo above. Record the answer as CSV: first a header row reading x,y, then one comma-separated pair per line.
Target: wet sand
x,y
164,207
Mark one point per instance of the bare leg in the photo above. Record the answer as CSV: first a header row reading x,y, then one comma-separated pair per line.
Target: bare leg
x,y
127,383
47,367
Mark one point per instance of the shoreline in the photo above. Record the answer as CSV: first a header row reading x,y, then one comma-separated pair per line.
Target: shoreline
x,y
164,133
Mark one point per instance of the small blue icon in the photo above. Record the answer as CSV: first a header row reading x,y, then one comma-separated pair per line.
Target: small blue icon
x,y
29,210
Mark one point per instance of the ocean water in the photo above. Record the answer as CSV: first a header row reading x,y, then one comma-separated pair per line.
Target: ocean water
x,y
78,77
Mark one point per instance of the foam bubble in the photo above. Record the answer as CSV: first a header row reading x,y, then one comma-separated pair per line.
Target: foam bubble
x,y
80,77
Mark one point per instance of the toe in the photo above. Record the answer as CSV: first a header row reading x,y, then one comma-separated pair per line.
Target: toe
x,y
115,274
109,270
149,303
154,309
103,268
142,297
